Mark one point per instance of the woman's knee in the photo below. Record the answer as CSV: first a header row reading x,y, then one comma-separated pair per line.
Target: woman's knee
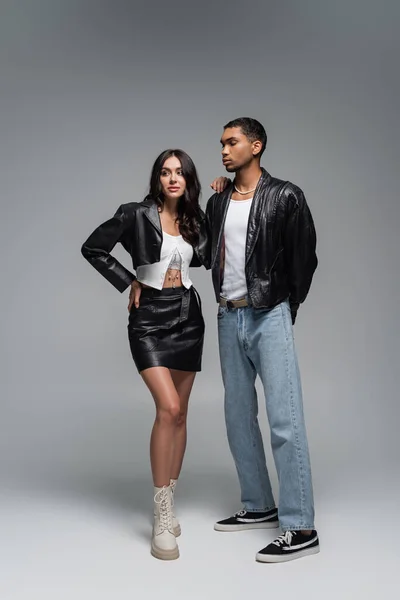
x,y
181,422
169,415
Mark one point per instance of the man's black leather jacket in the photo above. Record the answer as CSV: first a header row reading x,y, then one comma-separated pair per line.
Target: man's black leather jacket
x,y
137,227
280,245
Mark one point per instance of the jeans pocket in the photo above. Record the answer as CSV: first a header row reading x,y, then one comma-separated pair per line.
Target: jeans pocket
x,y
222,310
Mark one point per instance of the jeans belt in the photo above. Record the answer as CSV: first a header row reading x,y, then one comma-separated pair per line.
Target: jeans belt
x,y
240,303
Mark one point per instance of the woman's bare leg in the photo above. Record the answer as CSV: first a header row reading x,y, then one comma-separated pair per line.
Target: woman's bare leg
x,y
164,433
183,382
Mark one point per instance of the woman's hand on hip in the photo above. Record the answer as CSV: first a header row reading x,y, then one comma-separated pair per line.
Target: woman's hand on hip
x,y
134,294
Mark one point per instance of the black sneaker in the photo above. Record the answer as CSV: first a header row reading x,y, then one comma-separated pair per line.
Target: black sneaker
x,y
245,519
290,545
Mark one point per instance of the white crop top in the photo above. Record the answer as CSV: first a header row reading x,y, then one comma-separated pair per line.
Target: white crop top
x,y
176,254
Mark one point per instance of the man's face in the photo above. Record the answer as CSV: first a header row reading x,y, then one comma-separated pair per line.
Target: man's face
x,y
237,150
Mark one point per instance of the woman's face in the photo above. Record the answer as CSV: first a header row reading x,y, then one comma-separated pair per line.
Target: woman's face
x,y
173,184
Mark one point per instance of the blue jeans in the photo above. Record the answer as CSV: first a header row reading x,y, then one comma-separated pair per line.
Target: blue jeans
x,y
260,341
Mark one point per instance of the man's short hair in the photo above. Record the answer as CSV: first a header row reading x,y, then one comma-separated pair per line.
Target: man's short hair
x,y
252,129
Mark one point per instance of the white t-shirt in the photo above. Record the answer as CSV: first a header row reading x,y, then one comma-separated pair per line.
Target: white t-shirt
x,y
176,253
234,283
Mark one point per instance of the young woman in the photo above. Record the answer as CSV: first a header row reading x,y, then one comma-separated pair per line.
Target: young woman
x,y
164,234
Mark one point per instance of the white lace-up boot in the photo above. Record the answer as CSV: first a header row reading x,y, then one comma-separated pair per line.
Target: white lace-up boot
x,y
163,543
175,523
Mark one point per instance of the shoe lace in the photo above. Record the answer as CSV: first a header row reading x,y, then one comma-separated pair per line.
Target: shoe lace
x,y
286,538
161,498
240,513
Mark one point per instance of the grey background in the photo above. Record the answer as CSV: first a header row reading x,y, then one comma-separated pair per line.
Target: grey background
x,y
91,92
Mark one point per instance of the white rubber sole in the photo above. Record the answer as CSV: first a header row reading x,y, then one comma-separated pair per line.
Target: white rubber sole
x,y
265,558
245,526
161,554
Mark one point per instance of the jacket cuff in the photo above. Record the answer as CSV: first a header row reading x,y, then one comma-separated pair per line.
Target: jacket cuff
x,y
123,281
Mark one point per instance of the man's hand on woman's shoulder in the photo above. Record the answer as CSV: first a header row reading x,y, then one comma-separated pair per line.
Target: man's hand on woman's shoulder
x,y
220,183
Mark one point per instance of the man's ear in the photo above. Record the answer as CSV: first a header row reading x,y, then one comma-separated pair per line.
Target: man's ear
x,y
257,145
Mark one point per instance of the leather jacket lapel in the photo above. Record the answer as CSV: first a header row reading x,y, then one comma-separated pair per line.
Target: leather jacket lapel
x,y
152,213
219,222
256,210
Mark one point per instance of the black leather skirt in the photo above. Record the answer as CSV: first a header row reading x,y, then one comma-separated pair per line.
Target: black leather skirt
x,y
167,329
